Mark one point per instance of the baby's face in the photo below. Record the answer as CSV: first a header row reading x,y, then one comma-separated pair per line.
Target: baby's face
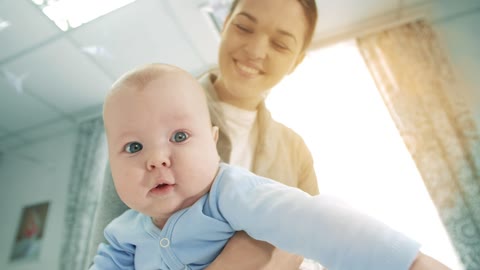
x,y
162,147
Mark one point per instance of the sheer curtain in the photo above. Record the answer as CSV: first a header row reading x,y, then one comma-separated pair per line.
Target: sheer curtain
x,y
87,171
425,101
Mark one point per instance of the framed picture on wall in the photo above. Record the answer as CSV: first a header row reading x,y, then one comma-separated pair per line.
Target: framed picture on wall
x,y
28,239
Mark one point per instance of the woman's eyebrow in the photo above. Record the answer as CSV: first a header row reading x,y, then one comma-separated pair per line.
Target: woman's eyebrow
x,y
288,34
280,31
249,16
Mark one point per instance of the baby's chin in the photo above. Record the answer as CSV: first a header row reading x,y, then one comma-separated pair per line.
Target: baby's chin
x,y
161,209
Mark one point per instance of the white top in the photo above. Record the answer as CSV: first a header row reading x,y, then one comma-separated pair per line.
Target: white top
x,y
242,133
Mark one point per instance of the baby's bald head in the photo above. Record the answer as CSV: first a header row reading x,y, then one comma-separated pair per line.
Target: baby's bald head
x,y
182,86
140,77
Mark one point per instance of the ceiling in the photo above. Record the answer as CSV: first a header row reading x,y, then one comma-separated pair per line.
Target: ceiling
x,y
52,80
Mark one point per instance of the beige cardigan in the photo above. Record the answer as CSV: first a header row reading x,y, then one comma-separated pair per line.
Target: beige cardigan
x,y
281,154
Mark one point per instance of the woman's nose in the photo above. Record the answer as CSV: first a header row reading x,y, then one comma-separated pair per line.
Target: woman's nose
x,y
159,158
256,48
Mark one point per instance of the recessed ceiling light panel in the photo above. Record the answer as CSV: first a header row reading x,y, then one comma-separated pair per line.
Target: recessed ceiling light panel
x,y
68,14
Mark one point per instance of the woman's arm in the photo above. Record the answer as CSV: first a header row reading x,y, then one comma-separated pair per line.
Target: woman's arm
x,y
425,262
243,252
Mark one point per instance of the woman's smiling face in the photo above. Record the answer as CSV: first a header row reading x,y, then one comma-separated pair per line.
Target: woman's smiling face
x,y
262,41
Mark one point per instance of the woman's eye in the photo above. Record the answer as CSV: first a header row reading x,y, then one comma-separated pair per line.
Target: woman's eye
x,y
133,147
243,28
179,136
281,46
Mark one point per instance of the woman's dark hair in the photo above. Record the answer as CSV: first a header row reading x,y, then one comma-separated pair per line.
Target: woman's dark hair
x,y
311,14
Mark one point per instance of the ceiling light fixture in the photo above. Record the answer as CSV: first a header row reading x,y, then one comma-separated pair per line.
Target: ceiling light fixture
x,y
69,14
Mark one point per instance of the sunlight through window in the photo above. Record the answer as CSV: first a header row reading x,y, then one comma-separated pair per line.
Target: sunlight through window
x,y
359,154
68,14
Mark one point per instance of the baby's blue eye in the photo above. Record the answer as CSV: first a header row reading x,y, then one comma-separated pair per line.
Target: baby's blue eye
x,y
133,147
179,136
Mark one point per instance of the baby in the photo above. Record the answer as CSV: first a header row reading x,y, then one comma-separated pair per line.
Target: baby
x,y
186,204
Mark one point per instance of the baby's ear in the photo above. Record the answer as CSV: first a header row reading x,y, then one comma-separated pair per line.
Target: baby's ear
x,y
215,133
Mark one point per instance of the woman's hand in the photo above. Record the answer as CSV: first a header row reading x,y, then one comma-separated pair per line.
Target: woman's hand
x,y
424,262
243,252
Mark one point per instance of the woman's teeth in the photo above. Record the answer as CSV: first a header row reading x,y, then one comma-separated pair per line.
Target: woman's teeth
x,y
248,70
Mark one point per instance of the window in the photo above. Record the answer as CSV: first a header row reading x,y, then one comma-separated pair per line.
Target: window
x,y
358,153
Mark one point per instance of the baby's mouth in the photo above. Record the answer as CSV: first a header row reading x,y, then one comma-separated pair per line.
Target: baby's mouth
x,y
162,188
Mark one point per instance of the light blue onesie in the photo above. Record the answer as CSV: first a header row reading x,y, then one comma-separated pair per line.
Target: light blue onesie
x,y
320,228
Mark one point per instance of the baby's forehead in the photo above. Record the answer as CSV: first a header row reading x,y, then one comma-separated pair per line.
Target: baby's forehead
x,y
164,78
159,82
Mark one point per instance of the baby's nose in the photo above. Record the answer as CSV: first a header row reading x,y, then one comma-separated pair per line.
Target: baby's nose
x,y
159,158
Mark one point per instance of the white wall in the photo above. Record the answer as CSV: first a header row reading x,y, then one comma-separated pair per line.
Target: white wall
x,y
459,29
33,174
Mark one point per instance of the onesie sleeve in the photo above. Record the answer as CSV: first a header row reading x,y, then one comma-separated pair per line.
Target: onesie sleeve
x,y
321,227
115,255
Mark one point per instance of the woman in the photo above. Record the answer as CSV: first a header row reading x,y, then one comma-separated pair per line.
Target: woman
x,y
261,42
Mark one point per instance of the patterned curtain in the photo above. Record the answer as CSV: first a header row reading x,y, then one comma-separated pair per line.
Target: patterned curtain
x,y
425,101
87,172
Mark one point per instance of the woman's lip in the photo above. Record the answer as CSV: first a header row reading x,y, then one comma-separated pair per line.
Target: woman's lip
x,y
247,70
